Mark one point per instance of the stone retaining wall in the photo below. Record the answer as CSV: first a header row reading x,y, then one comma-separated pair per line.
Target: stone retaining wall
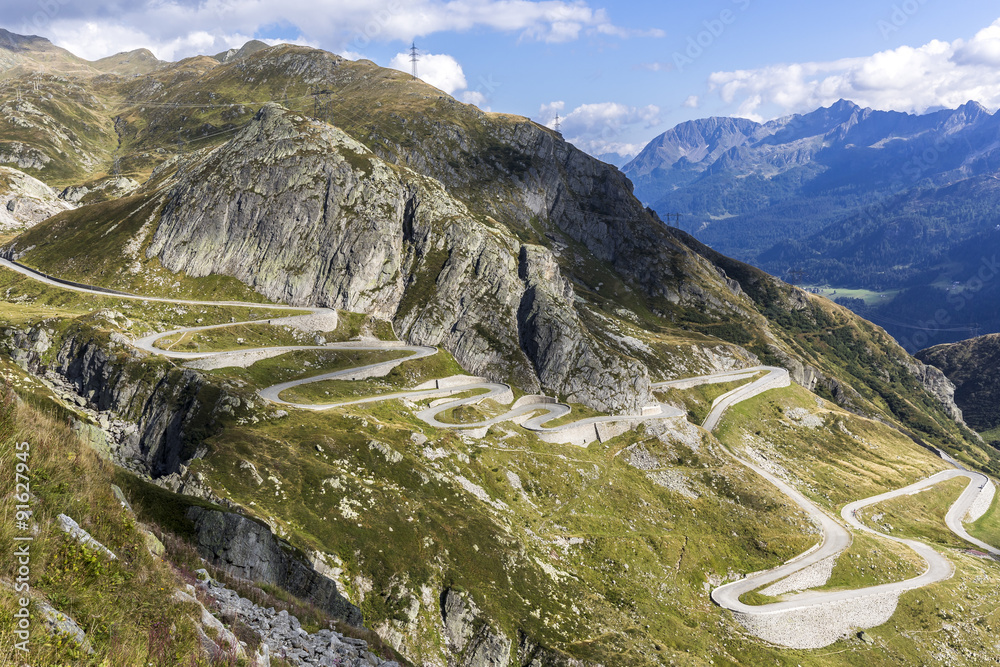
x,y
817,627
982,503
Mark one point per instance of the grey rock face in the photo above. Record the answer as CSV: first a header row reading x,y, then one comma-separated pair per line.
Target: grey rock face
x,y
282,635
116,186
25,201
249,550
166,409
23,156
532,654
303,213
59,623
471,640
939,386
567,359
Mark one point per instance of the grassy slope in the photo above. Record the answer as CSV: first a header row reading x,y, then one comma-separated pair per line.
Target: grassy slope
x,y
336,492
698,400
737,523
119,603
402,377
99,233
855,354
920,515
987,528
68,121
670,543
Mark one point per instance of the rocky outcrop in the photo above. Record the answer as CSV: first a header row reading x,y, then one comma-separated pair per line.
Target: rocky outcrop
x,y
532,654
471,640
248,550
25,201
75,532
389,242
163,417
173,412
108,188
566,358
282,634
23,156
939,386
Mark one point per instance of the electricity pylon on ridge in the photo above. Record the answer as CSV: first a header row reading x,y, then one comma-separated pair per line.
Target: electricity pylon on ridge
x,y
414,57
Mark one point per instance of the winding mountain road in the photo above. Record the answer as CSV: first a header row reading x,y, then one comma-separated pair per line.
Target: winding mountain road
x,y
534,412
581,432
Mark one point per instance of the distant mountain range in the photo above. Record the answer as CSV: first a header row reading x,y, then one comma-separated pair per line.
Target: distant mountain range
x,y
848,197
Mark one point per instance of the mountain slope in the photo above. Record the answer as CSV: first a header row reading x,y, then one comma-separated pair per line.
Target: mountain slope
x,y
529,262
449,204
972,365
22,54
851,198
25,201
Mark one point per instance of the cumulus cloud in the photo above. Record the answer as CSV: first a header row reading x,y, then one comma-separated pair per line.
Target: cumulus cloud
x,y
440,70
549,111
475,97
443,71
913,79
180,28
91,41
599,128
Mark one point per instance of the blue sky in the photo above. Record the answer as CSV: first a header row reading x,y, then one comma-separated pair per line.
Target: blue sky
x,y
617,73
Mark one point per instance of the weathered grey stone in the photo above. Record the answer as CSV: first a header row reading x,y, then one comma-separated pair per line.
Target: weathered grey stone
x,y
250,551
59,623
939,386
73,529
471,640
387,241
120,496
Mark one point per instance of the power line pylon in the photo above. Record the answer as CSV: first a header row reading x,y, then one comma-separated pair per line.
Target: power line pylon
x,y
414,57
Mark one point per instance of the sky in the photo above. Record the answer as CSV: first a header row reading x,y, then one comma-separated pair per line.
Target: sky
x,y
617,74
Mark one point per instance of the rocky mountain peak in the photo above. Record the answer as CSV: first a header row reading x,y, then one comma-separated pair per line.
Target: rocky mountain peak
x,y
14,42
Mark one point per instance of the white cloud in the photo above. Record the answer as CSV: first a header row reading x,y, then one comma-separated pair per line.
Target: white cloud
x,y
691,102
549,111
912,79
92,41
180,28
599,128
440,70
608,116
475,97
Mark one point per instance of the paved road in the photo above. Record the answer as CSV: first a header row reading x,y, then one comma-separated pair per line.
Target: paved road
x,y
582,431
835,538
